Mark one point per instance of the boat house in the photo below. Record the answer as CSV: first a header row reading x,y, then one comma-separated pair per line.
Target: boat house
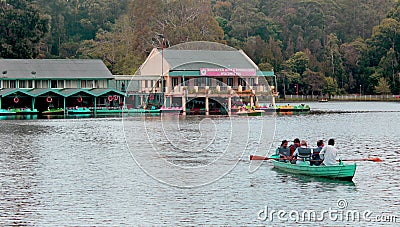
x,y
40,84
200,77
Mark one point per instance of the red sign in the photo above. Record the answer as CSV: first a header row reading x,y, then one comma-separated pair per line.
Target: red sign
x,y
227,72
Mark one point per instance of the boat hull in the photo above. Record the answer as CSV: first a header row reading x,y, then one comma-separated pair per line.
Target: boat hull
x,y
340,171
53,112
80,110
251,113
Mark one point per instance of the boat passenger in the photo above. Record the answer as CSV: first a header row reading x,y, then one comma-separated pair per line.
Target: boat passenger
x,y
329,153
284,151
315,158
303,153
294,146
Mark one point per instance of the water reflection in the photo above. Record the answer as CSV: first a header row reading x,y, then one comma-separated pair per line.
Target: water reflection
x,y
79,172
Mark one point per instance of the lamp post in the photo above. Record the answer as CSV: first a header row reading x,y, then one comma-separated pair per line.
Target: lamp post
x,y
360,91
297,89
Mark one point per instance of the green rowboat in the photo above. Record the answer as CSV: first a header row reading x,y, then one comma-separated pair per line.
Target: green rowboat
x,y
341,171
53,111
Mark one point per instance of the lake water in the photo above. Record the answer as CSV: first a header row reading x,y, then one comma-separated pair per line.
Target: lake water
x,y
194,170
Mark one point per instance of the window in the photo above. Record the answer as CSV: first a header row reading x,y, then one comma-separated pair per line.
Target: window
x,y
251,81
175,82
68,84
60,84
12,84
54,84
22,84
229,82
241,82
86,83
220,81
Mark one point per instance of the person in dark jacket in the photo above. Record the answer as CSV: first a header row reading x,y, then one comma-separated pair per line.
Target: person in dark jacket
x,y
284,151
315,158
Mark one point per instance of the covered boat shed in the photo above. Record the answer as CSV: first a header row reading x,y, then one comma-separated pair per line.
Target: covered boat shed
x,y
61,83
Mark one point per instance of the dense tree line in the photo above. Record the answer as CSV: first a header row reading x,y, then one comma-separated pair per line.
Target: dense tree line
x,y
317,46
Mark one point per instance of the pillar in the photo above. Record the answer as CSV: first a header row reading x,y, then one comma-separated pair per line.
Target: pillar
x,y
230,105
141,100
184,105
95,106
184,102
207,106
65,105
33,103
273,100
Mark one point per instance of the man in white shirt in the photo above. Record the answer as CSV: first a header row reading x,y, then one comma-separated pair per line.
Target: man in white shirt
x,y
329,153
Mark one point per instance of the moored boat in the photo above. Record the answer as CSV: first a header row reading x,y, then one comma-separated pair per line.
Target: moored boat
x,y
340,171
25,111
79,110
290,108
7,112
53,111
251,113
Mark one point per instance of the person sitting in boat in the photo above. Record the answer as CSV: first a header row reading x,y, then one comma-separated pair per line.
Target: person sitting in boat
x,y
303,153
315,158
283,151
329,153
294,146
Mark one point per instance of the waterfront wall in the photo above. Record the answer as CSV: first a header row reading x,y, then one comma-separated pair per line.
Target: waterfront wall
x,y
342,98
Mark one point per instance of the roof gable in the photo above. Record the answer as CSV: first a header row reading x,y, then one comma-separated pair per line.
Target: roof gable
x,y
196,59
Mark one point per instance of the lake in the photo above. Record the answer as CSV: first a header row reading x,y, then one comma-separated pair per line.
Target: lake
x,y
195,170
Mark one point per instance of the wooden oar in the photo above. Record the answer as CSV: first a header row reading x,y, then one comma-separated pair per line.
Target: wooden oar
x,y
256,157
363,159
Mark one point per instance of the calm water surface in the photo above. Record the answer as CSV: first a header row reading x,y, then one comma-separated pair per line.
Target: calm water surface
x,y
80,172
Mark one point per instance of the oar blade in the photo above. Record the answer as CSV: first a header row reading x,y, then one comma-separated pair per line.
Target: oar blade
x,y
375,159
256,157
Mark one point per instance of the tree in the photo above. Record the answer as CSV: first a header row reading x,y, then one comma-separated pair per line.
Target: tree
x,y
22,29
333,59
382,87
298,63
331,87
314,81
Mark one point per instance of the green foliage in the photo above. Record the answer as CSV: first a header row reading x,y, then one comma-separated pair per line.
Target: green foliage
x,y
22,29
331,87
382,87
298,63
319,45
